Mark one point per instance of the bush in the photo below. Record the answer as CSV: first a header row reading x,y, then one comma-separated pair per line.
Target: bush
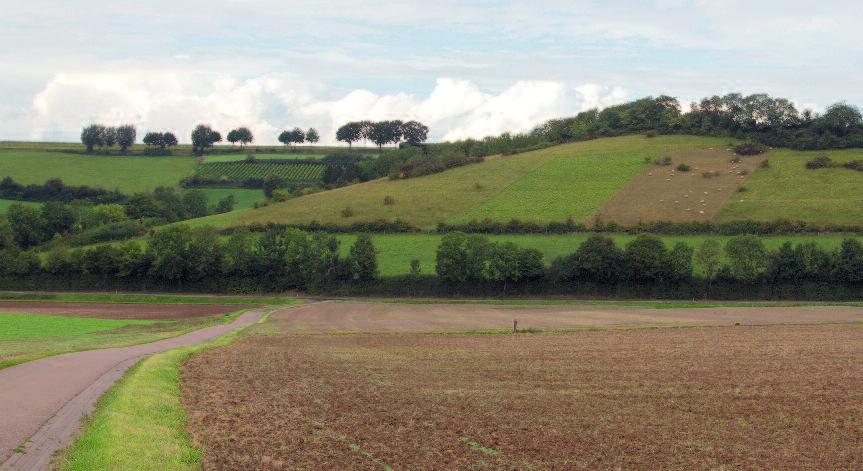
x,y
347,212
742,189
822,161
749,148
663,161
683,167
389,201
854,165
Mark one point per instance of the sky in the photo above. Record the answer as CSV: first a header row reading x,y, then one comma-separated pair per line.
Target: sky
x,y
465,68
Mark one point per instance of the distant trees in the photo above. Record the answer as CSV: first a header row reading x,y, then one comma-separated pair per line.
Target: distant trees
x,y
242,135
362,259
312,136
203,137
350,133
294,136
383,132
463,258
162,140
97,135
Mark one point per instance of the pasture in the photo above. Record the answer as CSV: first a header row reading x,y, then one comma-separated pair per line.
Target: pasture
x,y
787,189
4,204
570,180
125,173
245,198
396,395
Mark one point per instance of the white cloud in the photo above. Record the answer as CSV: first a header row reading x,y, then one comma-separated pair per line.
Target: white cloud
x,y
178,101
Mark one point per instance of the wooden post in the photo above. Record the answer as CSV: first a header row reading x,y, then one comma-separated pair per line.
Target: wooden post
x,y
515,326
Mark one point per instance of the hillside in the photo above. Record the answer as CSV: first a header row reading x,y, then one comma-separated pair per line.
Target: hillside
x,y
567,181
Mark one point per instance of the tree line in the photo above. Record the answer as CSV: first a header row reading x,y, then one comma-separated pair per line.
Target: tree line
x,y
472,258
383,132
278,260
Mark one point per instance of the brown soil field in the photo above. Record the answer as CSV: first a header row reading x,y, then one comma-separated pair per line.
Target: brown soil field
x,y
344,317
351,385
661,193
119,311
746,397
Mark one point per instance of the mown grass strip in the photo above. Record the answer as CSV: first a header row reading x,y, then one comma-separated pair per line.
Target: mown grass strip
x,y
140,423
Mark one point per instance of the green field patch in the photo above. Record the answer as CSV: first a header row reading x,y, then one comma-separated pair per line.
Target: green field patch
x,y
15,326
787,189
125,173
4,204
239,171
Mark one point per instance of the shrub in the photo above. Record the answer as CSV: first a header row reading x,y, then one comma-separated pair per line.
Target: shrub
x,y
664,161
710,174
683,167
749,148
347,212
822,161
854,165
742,189
389,201
416,269
650,134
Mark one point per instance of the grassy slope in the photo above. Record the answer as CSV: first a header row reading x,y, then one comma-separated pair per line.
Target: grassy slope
x,y
127,174
26,337
397,250
549,184
788,190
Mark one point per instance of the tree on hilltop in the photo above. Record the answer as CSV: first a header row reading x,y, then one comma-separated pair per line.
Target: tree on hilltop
x,y
350,133
203,137
312,136
126,135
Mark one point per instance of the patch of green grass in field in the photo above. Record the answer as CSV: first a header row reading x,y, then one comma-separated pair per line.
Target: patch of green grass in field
x,y
26,337
4,204
245,197
126,173
140,423
397,250
549,184
147,298
787,189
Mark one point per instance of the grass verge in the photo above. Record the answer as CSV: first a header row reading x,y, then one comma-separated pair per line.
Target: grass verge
x,y
140,423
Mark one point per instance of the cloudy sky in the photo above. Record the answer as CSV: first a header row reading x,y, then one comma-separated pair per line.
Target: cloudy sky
x,y
466,68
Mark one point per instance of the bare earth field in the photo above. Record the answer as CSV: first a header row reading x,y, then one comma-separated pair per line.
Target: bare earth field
x,y
119,311
727,397
661,193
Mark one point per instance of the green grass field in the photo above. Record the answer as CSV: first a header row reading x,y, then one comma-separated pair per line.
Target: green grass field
x,y
127,174
397,250
550,184
25,337
133,298
4,204
787,189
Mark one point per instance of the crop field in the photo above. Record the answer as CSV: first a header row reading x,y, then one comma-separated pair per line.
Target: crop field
x,y
397,250
125,173
734,397
237,171
31,330
787,189
274,156
549,184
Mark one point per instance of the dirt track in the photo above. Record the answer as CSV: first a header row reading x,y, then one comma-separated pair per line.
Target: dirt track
x,y
43,401
118,310
377,317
